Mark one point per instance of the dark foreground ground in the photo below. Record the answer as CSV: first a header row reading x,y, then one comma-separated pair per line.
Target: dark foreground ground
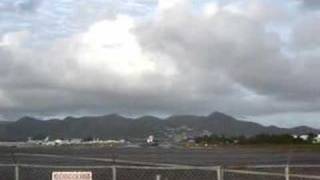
x,y
227,156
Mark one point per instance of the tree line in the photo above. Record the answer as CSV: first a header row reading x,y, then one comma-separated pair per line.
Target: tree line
x,y
257,139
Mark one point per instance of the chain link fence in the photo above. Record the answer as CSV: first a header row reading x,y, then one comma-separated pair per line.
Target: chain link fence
x,y
166,173
121,172
27,172
7,172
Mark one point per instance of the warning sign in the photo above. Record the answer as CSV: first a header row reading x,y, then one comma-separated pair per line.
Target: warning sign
x,y
73,175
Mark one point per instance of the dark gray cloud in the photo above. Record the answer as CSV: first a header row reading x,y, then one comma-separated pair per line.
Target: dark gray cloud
x,y
20,6
311,4
245,52
28,5
305,31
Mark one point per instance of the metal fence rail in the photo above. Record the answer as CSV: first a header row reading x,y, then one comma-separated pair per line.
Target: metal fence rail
x,y
120,172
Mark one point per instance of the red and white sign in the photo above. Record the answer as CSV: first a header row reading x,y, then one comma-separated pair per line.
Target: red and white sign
x,y
72,175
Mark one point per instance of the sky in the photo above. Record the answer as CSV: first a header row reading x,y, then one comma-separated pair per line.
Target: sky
x,y
257,60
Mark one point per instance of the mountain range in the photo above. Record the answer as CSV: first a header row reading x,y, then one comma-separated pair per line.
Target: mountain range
x,y
116,126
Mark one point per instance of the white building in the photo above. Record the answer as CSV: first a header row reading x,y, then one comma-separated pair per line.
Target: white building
x,y
304,137
150,139
316,139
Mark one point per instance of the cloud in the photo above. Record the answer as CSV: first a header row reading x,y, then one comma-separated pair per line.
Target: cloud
x,y
50,20
239,46
27,5
229,57
310,4
24,6
304,33
96,67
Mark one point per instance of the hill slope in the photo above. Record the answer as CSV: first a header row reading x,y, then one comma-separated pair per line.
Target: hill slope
x,y
116,126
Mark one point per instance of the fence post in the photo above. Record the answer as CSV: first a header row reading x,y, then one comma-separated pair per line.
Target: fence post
x,y
114,173
287,172
219,173
16,172
158,177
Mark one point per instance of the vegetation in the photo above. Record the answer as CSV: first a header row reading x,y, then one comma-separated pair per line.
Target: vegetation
x,y
258,139
39,136
88,138
214,139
